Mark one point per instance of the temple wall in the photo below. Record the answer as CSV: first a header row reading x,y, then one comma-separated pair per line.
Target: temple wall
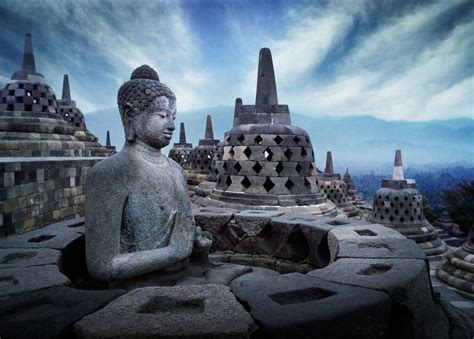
x,y
35,192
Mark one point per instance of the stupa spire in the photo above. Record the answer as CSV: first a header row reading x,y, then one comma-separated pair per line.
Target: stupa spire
x,y
182,134
329,167
266,84
66,88
107,142
28,56
209,133
397,166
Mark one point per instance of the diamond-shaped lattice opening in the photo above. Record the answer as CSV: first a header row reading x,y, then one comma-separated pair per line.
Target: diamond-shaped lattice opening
x,y
232,152
298,168
237,167
225,165
268,154
289,184
402,219
268,185
307,184
288,153
279,168
246,183
258,139
391,218
296,139
228,181
303,152
397,211
278,139
247,152
257,167
241,138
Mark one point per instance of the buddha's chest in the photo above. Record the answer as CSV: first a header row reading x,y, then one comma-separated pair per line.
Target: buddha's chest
x,y
149,213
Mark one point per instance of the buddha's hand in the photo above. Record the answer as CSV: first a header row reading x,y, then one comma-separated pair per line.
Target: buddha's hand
x,y
202,244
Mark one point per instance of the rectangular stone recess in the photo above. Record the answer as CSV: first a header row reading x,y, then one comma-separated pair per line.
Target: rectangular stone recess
x,y
165,304
301,296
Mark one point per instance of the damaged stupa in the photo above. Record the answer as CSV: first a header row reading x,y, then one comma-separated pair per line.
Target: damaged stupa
x,y
267,161
181,151
335,189
202,158
43,163
458,268
72,114
399,205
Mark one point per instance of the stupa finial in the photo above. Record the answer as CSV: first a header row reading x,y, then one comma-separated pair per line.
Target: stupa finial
x,y
182,134
28,56
66,88
107,142
329,167
209,133
266,84
397,166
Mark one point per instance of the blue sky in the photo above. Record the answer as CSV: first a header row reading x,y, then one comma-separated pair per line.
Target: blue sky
x,y
395,60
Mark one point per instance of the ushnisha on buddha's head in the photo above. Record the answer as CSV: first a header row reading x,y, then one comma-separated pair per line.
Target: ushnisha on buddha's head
x,y
147,108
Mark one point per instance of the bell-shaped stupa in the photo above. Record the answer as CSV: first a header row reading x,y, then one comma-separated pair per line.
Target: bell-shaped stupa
x,y
73,115
335,189
202,157
181,151
350,187
266,161
399,205
458,268
30,119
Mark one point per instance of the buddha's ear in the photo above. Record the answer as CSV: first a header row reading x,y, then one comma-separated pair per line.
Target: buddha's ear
x,y
128,122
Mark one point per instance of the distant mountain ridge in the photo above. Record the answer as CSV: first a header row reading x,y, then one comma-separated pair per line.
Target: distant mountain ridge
x,y
357,142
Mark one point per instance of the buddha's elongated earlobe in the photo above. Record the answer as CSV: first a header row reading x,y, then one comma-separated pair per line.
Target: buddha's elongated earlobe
x,y
128,123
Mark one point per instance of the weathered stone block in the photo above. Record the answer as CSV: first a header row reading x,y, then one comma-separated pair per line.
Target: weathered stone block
x,y
49,313
27,279
213,219
25,257
406,281
299,306
167,312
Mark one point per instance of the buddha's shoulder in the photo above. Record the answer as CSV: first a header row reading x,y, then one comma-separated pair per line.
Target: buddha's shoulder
x,y
174,165
113,167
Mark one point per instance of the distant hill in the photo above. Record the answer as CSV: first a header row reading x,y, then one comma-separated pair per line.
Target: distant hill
x,y
357,142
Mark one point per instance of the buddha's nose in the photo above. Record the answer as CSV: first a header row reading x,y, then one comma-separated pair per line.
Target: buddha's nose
x,y
170,125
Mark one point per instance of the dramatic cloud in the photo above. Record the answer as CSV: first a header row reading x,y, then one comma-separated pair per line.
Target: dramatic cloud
x,y
394,60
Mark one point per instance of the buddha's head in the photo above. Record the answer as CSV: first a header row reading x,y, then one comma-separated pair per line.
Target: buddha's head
x,y
147,108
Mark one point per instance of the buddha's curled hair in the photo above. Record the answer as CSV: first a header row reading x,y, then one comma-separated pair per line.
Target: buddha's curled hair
x,y
142,88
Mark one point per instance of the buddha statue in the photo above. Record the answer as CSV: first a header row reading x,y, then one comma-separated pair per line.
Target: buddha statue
x,y
138,214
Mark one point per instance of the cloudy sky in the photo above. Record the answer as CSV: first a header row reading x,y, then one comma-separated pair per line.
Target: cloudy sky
x,y
396,60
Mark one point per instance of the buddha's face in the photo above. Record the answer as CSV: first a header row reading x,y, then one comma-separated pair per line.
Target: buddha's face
x,y
155,125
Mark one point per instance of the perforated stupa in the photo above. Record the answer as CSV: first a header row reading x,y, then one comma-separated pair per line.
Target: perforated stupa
x,y
335,188
266,161
399,205
181,151
72,114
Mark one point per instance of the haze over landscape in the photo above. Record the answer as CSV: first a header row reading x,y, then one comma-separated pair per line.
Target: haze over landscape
x,y
362,77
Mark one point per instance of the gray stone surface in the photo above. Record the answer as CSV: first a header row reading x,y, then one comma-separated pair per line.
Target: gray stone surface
x,y
416,313
27,279
49,313
300,306
382,248
170,312
252,222
55,236
137,208
369,231
213,219
25,257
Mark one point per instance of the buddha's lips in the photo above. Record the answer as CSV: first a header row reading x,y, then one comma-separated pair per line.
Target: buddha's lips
x,y
168,135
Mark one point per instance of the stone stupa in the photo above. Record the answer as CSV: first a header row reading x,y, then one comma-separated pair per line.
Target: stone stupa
x,y
458,268
181,151
335,189
202,158
266,161
43,162
72,114
398,205
350,187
